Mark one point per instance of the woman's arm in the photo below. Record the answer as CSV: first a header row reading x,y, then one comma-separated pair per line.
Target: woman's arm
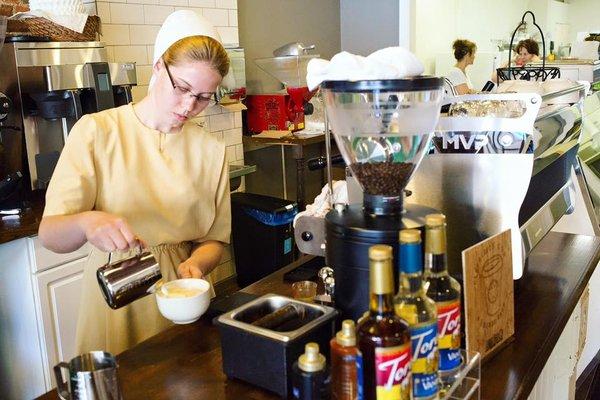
x,y
204,258
66,233
463,89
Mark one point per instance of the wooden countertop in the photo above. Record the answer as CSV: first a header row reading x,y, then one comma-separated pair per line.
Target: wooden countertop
x,y
26,224
185,361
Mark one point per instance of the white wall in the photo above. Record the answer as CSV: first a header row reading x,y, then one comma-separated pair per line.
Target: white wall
x,y
439,22
366,27
265,25
583,15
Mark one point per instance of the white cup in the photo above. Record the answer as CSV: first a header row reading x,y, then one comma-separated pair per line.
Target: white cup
x,y
177,301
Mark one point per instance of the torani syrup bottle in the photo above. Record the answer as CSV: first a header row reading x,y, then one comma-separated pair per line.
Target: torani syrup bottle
x,y
310,380
413,305
343,363
445,291
383,337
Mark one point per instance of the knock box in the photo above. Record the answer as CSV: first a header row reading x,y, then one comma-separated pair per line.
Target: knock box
x,y
264,357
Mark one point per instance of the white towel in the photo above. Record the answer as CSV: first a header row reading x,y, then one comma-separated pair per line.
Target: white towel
x,y
322,205
75,22
388,63
181,24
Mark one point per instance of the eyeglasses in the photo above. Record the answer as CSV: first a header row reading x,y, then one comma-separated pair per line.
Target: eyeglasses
x,y
200,98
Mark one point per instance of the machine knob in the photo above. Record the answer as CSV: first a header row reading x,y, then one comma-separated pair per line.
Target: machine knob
x,y
306,236
5,106
308,108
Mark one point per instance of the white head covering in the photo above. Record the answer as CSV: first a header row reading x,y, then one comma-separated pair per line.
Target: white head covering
x,y
179,25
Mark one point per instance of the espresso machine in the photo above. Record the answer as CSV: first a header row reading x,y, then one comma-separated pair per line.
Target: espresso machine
x,y
281,111
47,87
383,129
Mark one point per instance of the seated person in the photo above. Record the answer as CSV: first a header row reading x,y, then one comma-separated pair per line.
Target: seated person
x,y
527,50
464,53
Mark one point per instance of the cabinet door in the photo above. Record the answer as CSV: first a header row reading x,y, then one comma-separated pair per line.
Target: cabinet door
x,y
569,73
60,294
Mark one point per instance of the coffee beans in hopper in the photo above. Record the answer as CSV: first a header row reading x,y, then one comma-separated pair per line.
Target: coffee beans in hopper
x,y
384,178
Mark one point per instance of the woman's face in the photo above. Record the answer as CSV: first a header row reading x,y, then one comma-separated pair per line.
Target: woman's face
x,y
524,56
186,89
471,58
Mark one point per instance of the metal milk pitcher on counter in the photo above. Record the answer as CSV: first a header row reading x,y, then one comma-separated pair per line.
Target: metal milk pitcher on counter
x,y
127,280
92,376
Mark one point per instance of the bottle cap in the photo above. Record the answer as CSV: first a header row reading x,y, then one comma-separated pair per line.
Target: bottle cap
x,y
381,276
410,236
380,252
435,219
411,256
347,336
311,360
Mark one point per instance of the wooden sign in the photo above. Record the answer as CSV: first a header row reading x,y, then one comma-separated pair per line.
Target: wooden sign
x,y
488,294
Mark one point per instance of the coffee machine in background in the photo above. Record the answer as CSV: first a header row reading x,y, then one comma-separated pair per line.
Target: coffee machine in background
x,y
51,85
382,128
282,111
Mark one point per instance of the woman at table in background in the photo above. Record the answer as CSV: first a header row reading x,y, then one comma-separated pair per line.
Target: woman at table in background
x,y
143,174
464,53
527,50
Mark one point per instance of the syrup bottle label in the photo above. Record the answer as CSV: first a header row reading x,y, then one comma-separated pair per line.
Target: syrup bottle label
x,y
360,391
425,360
449,334
392,372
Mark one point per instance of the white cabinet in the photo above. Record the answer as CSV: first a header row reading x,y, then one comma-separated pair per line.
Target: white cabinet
x,y
40,293
571,73
557,379
59,291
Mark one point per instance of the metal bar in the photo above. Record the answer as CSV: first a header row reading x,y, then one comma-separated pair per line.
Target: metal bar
x,y
65,129
552,95
283,178
328,153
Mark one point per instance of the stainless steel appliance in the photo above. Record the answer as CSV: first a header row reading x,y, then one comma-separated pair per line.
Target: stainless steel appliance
x,y
479,170
527,191
51,85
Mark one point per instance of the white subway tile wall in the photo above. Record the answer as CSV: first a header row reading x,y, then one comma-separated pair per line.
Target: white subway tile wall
x,y
129,28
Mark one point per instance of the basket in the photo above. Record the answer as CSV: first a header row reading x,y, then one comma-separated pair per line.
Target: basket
x,y
43,27
528,73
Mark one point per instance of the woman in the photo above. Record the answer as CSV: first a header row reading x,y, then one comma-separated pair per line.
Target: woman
x,y
527,51
464,53
142,174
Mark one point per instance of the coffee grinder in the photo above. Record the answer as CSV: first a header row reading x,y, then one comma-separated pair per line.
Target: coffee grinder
x,y
383,129
280,111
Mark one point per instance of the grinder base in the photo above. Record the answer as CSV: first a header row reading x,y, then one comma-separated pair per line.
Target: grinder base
x,y
350,232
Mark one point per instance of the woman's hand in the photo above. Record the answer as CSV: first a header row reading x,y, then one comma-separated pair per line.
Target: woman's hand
x,y
108,232
204,258
189,269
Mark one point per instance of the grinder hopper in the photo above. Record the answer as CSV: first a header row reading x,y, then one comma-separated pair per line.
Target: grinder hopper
x,y
383,129
291,71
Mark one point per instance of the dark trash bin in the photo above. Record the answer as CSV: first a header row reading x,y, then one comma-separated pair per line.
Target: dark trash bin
x,y
263,237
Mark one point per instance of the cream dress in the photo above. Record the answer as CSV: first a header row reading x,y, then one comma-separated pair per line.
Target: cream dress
x,y
173,190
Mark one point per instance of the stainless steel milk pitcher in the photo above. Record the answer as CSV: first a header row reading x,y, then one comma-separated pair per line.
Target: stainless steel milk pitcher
x,y
92,376
127,280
